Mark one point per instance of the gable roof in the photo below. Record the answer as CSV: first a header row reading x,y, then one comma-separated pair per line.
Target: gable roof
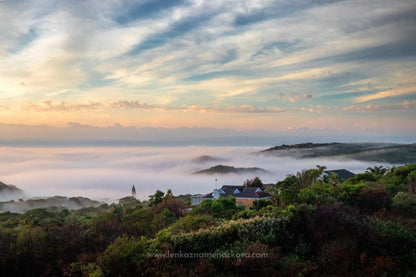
x,y
342,174
231,189
243,192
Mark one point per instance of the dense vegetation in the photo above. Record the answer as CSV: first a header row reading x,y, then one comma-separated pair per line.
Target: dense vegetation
x,y
364,226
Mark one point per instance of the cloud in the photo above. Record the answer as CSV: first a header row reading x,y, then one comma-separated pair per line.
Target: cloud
x,y
293,97
109,172
307,96
409,104
317,109
406,104
204,56
366,108
136,105
252,109
62,106
387,94
4,108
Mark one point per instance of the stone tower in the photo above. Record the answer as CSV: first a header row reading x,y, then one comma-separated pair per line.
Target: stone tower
x,y
133,192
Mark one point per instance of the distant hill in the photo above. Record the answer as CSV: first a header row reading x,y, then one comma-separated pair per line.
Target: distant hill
x,y
55,203
299,146
375,152
8,188
10,192
206,159
223,169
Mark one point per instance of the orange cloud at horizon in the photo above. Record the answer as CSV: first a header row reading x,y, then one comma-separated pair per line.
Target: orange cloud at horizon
x,y
386,94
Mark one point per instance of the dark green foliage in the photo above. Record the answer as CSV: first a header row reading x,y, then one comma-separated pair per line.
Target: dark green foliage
x,y
316,194
372,199
185,198
156,198
348,194
174,205
405,202
259,204
192,222
224,207
363,177
306,178
288,190
377,170
364,226
255,182
121,257
9,220
129,201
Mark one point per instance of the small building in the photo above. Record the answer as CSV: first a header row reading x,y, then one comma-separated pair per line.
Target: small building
x,y
342,174
243,195
196,199
133,192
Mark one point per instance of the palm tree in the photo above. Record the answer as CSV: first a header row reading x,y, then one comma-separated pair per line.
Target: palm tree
x,y
377,170
321,167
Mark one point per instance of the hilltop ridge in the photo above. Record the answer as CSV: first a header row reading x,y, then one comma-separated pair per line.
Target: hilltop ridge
x,y
223,169
375,152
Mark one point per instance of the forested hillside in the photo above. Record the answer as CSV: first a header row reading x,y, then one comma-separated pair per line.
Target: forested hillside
x,y
315,226
374,152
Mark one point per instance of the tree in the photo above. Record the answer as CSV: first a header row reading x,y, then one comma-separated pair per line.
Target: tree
x,y
122,255
255,182
332,179
321,167
411,182
305,178
168,194
377,170
174,205
156,198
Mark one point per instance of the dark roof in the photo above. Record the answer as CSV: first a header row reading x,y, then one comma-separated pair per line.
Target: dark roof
x,y
245,192
342,174
250,192
230,189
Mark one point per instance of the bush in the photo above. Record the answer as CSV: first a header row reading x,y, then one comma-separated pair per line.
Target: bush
x,y
348,194
121,256
316,194
224,207
373,199
259,204
405,203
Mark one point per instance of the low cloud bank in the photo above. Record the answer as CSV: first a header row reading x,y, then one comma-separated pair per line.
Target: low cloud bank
x,y
109,173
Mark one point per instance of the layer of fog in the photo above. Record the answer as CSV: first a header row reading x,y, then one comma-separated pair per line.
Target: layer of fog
x,y
56,202
6,196
109,173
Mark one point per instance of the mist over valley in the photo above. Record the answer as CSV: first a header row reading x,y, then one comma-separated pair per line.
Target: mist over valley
x,y
108,173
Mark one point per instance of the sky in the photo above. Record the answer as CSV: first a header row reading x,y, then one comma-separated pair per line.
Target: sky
x,y
347,66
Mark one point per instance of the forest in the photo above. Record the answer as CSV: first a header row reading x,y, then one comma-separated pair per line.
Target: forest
x,y
314,226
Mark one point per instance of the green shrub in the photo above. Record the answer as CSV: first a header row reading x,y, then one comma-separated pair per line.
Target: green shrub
x,y
316,194
122,255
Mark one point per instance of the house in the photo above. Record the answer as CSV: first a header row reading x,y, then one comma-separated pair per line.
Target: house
x,y
342,174
196,199
243,195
